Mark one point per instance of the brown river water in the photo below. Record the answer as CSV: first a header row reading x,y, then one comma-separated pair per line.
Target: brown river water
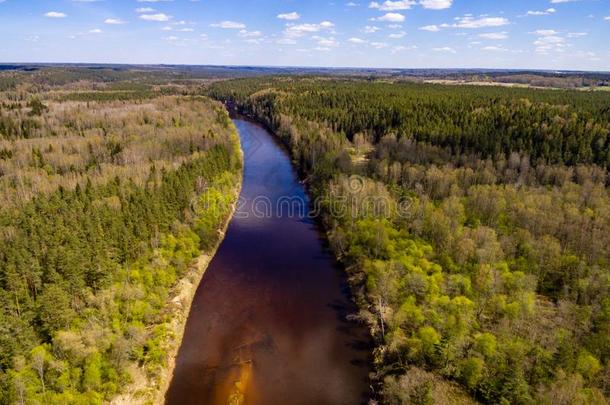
x,y
268,321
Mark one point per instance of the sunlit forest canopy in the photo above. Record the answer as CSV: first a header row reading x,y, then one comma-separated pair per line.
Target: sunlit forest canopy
x,y
487,267
99,220
553,126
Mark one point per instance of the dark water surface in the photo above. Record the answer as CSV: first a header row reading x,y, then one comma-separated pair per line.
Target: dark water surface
x,y
267,324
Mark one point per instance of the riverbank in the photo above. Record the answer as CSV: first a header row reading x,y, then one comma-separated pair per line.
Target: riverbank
x,y
184,300
273,299
146,389
366,312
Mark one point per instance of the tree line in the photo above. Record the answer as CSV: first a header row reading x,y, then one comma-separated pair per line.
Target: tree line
x,y
553,126
88,264
484,275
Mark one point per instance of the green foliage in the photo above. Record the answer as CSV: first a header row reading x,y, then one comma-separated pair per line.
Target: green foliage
x,y
587,365
555,126
107,96
92,375
86,273
485,343
37,107
474,223
471,371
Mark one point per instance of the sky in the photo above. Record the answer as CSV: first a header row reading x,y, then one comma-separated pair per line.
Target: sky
x,y
518,34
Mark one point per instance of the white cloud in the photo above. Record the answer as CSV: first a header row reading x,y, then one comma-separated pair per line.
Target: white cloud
x,y
577,34
392,5
186,30
549,41
389,5
545,12
156,17
289,16
351,4
152,1
397,35
145,10
470,22
302,29
494,35
55,14
436,4
113,21
355,40
401,48
444,49
392,17
379,45
250,34
95,31
299,30
562,1
286,41
607,18
229,25
545,33
370,29
494,49
326,42
430,28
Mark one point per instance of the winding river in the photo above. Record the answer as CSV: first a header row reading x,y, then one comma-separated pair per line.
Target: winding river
x,y
268,321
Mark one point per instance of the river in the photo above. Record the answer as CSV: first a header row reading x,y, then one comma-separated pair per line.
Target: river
x,y
268,321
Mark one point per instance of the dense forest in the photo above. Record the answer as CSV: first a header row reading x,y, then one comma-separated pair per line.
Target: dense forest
x,y
107,197
474,223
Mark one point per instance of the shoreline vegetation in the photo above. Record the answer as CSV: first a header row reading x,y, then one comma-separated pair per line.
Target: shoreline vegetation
x,y
112,207
190,284
179,308
494,287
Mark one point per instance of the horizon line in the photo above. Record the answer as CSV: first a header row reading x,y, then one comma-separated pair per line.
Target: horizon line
x,y
545,70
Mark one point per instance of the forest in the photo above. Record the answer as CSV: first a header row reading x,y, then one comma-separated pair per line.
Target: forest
x,y
474,224
101,190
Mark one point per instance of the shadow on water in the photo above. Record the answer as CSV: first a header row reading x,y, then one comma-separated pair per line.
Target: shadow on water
x,y
268,322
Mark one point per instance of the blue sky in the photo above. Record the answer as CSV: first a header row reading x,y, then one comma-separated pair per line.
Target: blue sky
x,y
537,34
